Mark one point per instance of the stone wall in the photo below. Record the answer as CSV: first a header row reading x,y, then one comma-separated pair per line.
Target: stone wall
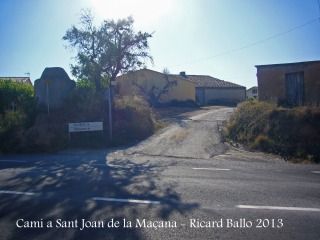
x,y
54,86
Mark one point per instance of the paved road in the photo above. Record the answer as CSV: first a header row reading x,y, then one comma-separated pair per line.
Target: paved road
x,y
183,183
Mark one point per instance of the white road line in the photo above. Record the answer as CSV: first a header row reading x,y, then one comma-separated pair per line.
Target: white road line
x,y
17,161
213,169
118,166
113,165
279,208
315,171
18,193
126,200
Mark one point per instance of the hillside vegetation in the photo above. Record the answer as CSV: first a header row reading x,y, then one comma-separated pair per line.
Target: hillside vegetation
x,y
24,128
17,111
293,133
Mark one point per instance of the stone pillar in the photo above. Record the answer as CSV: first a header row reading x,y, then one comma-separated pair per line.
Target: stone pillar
x,y
53,86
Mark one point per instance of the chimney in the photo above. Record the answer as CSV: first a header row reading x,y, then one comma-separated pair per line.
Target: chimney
x,y
183,74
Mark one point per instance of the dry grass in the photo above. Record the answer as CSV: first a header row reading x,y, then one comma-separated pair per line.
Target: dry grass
x,y
293,133
179,135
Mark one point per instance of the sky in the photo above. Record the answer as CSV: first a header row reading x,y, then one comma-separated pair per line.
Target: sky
x,y
221,38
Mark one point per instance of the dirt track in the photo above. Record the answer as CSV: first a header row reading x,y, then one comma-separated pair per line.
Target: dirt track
x,y
188,137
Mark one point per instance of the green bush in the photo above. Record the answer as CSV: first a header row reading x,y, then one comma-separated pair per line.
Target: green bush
x,y
19,94
17,113
86,104
291,132
17,98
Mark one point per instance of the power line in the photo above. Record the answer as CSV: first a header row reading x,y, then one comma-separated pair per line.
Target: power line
x,y
249,45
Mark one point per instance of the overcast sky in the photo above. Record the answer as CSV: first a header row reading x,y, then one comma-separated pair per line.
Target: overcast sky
x,y
221,38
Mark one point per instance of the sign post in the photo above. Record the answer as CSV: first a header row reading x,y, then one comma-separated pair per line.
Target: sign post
x,y
112,84
48,82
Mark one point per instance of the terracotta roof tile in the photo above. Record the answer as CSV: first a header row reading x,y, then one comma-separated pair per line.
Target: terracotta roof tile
x,y
208,81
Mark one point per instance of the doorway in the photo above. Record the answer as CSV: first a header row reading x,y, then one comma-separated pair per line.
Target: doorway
x,y
295,88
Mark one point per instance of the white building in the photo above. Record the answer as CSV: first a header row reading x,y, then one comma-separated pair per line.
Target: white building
x,y
252,92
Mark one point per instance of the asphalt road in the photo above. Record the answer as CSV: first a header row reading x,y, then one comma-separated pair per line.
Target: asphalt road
x,y
182,183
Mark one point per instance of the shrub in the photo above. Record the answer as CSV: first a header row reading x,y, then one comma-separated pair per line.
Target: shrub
x,y
17,113
291,132
263,143
249,121
133,119
19,94
86,104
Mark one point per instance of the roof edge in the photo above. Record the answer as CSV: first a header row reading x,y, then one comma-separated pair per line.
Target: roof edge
x,y
293,63
147,69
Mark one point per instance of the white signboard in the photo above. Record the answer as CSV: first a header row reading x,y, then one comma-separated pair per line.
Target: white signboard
x,y
85,126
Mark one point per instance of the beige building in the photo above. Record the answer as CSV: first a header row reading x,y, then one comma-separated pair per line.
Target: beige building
x,y
145,81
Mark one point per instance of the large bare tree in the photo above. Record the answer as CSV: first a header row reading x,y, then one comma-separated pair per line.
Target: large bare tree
x,y
154,92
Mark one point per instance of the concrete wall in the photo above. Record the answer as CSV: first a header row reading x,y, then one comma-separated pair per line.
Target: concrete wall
x,y
184,90
272,81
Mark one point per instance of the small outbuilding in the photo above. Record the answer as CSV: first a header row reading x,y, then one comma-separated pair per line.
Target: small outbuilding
x,y
290,83
213,91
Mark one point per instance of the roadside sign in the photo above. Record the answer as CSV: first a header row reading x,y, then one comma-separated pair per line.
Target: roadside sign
x,y
85,126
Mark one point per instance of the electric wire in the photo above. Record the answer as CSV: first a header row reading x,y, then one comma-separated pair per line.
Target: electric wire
x,y
249,45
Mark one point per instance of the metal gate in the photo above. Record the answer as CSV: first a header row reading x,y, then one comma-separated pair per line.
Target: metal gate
x,y
295,88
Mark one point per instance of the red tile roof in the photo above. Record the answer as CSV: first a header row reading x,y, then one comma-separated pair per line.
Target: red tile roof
x,y
203,81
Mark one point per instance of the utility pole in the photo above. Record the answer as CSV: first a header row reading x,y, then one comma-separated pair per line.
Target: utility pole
x,y
111,86
110,113
48,82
